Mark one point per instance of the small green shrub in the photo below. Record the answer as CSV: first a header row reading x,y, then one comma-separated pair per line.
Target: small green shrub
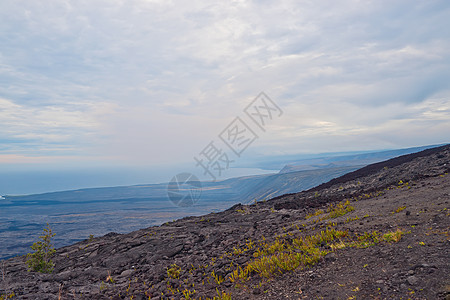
x,y
40,260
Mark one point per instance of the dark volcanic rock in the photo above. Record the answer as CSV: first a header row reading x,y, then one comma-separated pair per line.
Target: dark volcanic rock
x,y
203,253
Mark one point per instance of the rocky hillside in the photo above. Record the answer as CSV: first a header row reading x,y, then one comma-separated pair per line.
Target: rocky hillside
x,y
381,232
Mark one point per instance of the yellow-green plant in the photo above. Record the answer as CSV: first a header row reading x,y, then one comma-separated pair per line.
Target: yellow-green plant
x,y
109,277
279,256
367,239
222,295
339,209
333,211
7,296
399,209
187,294
174,271
316,213
393,236
40,260
339,245
351,219
239,274
103,286
219,279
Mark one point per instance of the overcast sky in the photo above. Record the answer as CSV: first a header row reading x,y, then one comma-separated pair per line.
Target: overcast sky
x,y
145,82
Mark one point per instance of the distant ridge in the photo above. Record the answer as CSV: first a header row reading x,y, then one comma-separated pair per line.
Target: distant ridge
x,y
362,159
373,168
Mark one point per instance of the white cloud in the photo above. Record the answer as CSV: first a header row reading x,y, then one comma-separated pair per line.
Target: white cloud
x,y
48,130
123,77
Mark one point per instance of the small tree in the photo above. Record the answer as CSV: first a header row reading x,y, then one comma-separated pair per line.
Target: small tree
x,y
40,260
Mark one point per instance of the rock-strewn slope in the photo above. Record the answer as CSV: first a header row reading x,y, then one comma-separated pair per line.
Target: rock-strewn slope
x,y
386,236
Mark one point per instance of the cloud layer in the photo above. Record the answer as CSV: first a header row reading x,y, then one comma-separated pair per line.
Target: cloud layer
x,y
146,82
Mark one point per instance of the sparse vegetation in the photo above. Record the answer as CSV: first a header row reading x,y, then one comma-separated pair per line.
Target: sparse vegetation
x,y
316,213
219,279
348,220
339,209
281,256
187,294
7,296
103,286
244,210
174,271
333,211
399,209
393,236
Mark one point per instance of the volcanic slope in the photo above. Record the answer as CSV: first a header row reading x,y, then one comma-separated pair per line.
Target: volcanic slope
x,y
381,232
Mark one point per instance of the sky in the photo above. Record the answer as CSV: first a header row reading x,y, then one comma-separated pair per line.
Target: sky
x,y
149,83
